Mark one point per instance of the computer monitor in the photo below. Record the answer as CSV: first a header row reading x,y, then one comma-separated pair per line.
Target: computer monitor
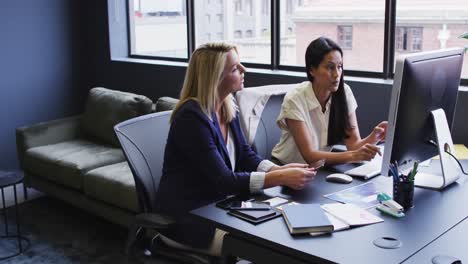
x,y
424,82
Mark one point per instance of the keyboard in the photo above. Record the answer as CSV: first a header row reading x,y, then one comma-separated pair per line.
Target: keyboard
x,y
368,169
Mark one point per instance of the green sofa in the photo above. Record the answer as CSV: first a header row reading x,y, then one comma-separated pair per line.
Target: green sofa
x,y
79,160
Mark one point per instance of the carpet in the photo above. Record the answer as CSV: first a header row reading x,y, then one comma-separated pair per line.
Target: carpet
x,y
60,233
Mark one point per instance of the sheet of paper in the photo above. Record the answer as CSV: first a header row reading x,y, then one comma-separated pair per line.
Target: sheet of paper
x,y
338,225
351,214
275,201
364,195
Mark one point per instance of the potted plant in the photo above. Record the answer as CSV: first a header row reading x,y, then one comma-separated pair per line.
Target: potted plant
x,y
465,36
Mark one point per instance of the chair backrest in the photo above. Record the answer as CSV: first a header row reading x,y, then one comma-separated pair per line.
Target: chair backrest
x,y
143,140
268,133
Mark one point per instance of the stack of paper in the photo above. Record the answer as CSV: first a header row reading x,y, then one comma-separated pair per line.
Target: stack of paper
x,y
344,216
351,215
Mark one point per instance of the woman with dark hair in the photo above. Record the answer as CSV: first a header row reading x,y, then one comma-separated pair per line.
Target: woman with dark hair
x,y
321,113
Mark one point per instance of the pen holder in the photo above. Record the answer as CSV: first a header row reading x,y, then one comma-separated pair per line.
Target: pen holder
x,y
403,193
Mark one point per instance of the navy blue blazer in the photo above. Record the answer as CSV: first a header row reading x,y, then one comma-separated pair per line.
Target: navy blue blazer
x,y
197,171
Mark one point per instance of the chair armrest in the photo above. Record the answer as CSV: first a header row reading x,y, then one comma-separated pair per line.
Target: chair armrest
x,y
46,133
153,220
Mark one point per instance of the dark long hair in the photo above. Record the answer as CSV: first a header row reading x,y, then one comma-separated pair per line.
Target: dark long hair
x,y
339,119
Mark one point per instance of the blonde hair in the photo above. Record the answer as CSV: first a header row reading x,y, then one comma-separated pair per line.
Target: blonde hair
x,y
203,75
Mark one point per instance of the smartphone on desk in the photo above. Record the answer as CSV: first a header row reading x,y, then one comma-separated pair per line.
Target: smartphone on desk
x,y
234,203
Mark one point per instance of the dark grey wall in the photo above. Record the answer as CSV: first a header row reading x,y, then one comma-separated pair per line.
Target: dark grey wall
x,y
40,66
460,125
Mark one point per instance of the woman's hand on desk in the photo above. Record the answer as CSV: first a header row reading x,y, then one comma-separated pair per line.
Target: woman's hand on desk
x,y
295,178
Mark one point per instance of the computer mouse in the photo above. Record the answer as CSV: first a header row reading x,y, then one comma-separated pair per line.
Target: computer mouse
x,y
443,259
339,177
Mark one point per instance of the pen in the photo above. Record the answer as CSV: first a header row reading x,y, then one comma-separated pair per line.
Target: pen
x,y
414,171
393,172
396,168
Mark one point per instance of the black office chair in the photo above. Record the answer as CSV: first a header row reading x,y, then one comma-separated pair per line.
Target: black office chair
x,y
143,140
268,133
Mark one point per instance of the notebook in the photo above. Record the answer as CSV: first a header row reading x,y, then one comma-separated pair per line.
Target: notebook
x,y
344,216
306,218
351,214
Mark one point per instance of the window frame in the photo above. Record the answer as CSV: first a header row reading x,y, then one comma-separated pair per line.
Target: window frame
x,y
389,49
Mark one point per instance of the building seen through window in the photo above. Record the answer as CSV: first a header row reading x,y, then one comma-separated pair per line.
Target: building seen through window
x,y
244,23
358,27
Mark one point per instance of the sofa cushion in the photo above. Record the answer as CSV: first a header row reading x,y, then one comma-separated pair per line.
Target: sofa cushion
x,y
166,103
112,184
66,162
105,108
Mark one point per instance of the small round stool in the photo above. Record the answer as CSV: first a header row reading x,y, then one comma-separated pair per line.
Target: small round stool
x,y
8,179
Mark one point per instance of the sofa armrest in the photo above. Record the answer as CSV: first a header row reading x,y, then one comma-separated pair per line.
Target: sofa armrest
x,y
46,133
166,103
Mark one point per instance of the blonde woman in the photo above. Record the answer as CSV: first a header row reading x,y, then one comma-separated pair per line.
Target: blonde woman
x,y
206,156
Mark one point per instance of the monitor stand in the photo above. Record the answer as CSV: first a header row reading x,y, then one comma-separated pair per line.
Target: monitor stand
x,y
449,166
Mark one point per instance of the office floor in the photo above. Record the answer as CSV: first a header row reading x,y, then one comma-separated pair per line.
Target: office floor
x,y
60,233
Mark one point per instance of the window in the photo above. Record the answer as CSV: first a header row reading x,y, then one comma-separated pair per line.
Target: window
x,y
416,39
345,37
289,7
340,20
409,39
168,20
249,7
251,34
357,26
430,25
238,7
265,7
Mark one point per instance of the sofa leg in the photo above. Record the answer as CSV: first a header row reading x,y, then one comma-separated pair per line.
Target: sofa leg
x,y
132,235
